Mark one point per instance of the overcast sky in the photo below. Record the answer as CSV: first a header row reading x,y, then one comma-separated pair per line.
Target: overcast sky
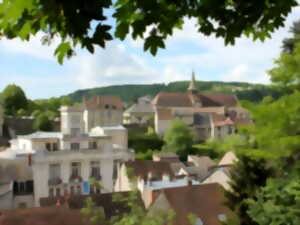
x,y
35,69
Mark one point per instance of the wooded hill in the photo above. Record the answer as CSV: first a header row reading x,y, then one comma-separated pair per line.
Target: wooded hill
x,y
130,92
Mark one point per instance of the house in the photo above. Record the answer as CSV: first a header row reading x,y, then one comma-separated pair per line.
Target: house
x,y
63,162
165,156
140,112
221,173
101,111
204,202
207,115
198,167
149,177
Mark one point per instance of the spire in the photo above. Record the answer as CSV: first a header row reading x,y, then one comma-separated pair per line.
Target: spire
x,y
192,87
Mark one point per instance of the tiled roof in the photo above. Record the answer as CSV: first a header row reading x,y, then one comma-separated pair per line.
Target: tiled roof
x,y
142,168
228,159
111,208
172,100
104,101
42,135
205,201
188,100
140,108
201,161
42,216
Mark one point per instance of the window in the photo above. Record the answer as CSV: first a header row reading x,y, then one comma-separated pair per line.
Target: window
x,y
72,190
78,191
115,169
48,146
106,106
75,169
93,145
75,146
54,171
57,192
55,146
95,169
51,192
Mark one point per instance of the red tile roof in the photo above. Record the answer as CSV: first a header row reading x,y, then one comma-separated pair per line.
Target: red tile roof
x,y
142,168
189,100
42,216
103,101
205,201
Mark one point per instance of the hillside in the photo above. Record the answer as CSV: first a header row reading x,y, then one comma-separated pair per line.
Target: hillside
x,y
130,92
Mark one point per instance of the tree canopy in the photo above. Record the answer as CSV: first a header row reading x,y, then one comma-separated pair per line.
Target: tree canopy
x,y
178,139
86,24
13,99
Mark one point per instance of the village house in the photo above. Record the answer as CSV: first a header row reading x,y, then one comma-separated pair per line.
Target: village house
x,y
60,163
141,112
193,204
149,177
208,115
221,173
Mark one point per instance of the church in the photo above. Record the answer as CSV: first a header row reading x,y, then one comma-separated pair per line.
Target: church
x,y
209,116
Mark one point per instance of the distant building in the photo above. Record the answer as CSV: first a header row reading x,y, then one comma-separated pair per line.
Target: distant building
x,y
62,163
208,115
205,202
142,112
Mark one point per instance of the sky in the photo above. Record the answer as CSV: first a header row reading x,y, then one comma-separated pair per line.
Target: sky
x,y
33,66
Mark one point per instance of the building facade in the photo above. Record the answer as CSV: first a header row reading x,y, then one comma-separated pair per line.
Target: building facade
x,y
208,115
64,163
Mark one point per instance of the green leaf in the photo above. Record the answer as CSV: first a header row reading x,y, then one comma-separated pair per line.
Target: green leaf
x,y
62,50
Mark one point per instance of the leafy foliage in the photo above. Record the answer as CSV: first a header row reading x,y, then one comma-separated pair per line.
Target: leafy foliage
x,y
129,93
14,99
247,175
178,139
42,123
84,23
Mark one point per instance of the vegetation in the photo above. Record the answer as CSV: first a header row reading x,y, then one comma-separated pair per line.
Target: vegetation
x,y
43,123
273,143
129,93
14,100
178,139
85,24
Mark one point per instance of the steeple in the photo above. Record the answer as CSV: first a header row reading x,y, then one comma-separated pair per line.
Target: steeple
x,y
192,87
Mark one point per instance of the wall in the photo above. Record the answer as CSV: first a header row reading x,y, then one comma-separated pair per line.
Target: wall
x,y
6,201
27,200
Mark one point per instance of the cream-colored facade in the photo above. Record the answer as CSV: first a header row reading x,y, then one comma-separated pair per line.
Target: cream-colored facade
x,y
63,163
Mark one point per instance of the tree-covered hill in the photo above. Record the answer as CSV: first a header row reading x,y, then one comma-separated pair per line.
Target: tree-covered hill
x,y
130,92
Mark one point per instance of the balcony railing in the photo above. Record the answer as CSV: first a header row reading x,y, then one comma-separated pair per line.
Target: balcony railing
x,y
75,179
54,181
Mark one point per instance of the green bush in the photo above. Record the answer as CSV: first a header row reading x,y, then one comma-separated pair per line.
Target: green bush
x,y
142,143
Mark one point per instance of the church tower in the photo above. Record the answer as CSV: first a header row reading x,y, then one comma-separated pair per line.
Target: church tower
x,y
192,86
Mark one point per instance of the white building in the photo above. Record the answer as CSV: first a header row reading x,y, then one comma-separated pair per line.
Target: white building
x,y
63,162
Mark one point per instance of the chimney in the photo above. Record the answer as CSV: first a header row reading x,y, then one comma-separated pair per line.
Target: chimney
x,y
29,159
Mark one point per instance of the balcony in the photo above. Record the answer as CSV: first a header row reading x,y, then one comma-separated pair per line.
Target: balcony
x,y
96,177
75,179
54,181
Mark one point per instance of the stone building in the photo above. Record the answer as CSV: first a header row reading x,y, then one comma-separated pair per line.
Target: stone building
x,y
208,115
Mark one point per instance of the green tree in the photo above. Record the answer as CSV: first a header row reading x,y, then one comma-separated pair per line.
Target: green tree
x,y
247,176
42,123
178,139
14,99
21,112
73,22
